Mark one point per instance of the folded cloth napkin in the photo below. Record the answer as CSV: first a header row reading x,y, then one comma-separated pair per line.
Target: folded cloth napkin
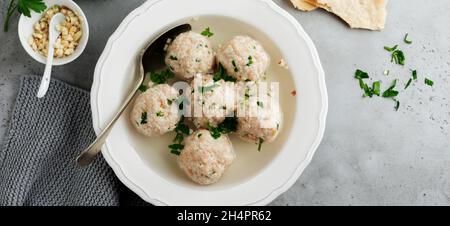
x,y
37,159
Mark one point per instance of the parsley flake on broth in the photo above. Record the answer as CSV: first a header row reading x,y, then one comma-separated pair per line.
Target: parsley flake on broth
x,y
207,32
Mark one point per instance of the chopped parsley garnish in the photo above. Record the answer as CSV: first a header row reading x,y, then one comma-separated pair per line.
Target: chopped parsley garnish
x,y
204,89
407,41
144,118
182,130
160,114
261,141
199,135
143,88
222,74
408,83
391,49
368,91
169,101
236,69
376,86
215,132
398,57
429,82
171,57
397,105
390,92
414,74
250,61
207,32
227,126
260,104
198,60
161,77
176,148
361,74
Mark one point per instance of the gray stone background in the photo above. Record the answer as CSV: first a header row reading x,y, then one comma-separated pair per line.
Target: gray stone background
x,y
370,154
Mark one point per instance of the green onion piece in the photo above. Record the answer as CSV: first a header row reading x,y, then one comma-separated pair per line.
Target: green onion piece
x,y
408,83
407,41
429,82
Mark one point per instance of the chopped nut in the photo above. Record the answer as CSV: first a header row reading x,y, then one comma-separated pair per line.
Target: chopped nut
x,y
67,42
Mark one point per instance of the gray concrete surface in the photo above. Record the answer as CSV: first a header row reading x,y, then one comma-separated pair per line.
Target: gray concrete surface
x,y
370,154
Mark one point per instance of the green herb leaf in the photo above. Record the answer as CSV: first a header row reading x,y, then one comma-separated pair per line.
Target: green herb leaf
x,y
408,83
171,57
221,74
169,101
229,125
361,83
361,74
199,135
407,41
182,130
397,105
398,57
160,114
215,132
261,141
23,6
391,49
26,6
161,77
414,74
236,69
204,89
367,90
143,88
391,92
250,61
376,87
429,82
144,118
207,32
176,148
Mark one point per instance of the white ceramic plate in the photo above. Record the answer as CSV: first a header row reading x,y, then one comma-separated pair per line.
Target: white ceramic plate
x,y
255,178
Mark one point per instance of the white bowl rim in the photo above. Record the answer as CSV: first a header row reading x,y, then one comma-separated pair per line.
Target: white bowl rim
x,y
57,61
300,168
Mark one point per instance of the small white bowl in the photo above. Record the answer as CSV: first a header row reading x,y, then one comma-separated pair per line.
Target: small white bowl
x,y
25,30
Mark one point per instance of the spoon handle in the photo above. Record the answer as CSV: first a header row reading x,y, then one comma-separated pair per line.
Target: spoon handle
x,y
45,82
89,154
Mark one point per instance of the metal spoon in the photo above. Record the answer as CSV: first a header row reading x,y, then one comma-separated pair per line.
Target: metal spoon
x,y
53,34
151,59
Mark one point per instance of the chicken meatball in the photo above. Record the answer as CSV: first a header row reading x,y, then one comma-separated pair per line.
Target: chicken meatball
x,y
205,159
258,114
190,53
212,101
244,58
155,112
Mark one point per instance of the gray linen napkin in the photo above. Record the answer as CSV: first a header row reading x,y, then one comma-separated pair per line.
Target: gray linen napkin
x,y
37,159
